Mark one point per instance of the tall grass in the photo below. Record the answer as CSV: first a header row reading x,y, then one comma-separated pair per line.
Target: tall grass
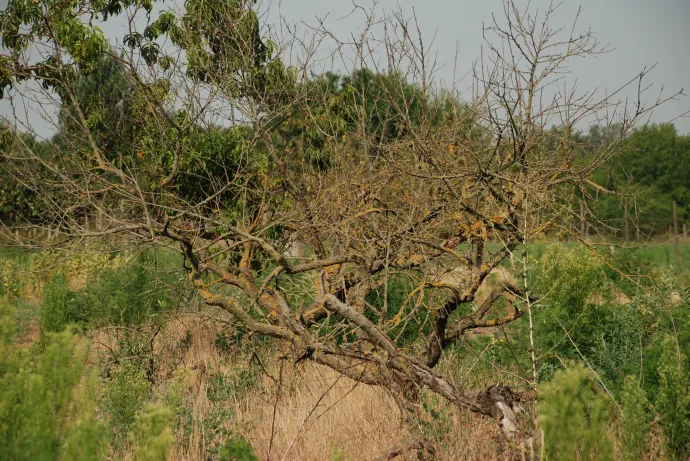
x,y
175,380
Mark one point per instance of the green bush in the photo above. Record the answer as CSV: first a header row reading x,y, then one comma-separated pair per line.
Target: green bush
x,y
573,413
400,305
237,450
151,434
86,437
567,279
636,419
38,394
135,346
568,276
673,400
124,395
10,281
61,306
133,293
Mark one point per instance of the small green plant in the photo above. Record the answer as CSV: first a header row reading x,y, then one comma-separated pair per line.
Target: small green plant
x,y
37,386
151,434
673,400
85,439
61,306
338,455
124,395
636,419
237,449
573,413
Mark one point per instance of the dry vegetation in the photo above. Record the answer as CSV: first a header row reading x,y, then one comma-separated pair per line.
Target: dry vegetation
x,y
307,412
318,264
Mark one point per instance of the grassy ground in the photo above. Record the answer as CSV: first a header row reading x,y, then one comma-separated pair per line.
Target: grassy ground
x,y
224,386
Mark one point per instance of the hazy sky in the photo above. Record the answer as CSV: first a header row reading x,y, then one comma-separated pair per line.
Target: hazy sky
x,y
641,33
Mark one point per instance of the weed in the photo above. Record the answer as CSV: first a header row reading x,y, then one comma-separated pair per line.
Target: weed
x,y
151,434
123,396
237,450
673,400
636,419
573,413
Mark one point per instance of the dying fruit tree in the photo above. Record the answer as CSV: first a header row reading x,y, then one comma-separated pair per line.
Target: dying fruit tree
x,y
299,198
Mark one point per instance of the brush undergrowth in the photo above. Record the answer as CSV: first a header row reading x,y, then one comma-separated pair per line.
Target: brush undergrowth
x,y
153,391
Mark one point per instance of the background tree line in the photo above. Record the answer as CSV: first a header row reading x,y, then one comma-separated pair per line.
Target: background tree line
x,y
651,171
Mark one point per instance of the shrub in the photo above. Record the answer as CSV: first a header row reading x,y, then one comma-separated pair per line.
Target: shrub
x,y
151,433
123,396
130,294
60,365
569,276
402,301
37,388
673,400
636,419
237,450
573,414
10,281
85,439
566,280
136,347
61,306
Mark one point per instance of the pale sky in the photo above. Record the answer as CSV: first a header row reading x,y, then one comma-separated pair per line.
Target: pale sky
x,y
642,33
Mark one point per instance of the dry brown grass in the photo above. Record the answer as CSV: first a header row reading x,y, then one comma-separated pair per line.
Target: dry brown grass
x,y
307,412
312,411
319,411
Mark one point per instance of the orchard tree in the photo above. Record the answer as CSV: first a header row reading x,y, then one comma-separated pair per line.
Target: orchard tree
x,y
231,147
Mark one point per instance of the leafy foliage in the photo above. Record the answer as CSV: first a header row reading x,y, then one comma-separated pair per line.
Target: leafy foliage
x,y
61,306
134,292
38,389
573,412
673,400
124,395
237,450
654,165
151,433
636,419
568,278
86,437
